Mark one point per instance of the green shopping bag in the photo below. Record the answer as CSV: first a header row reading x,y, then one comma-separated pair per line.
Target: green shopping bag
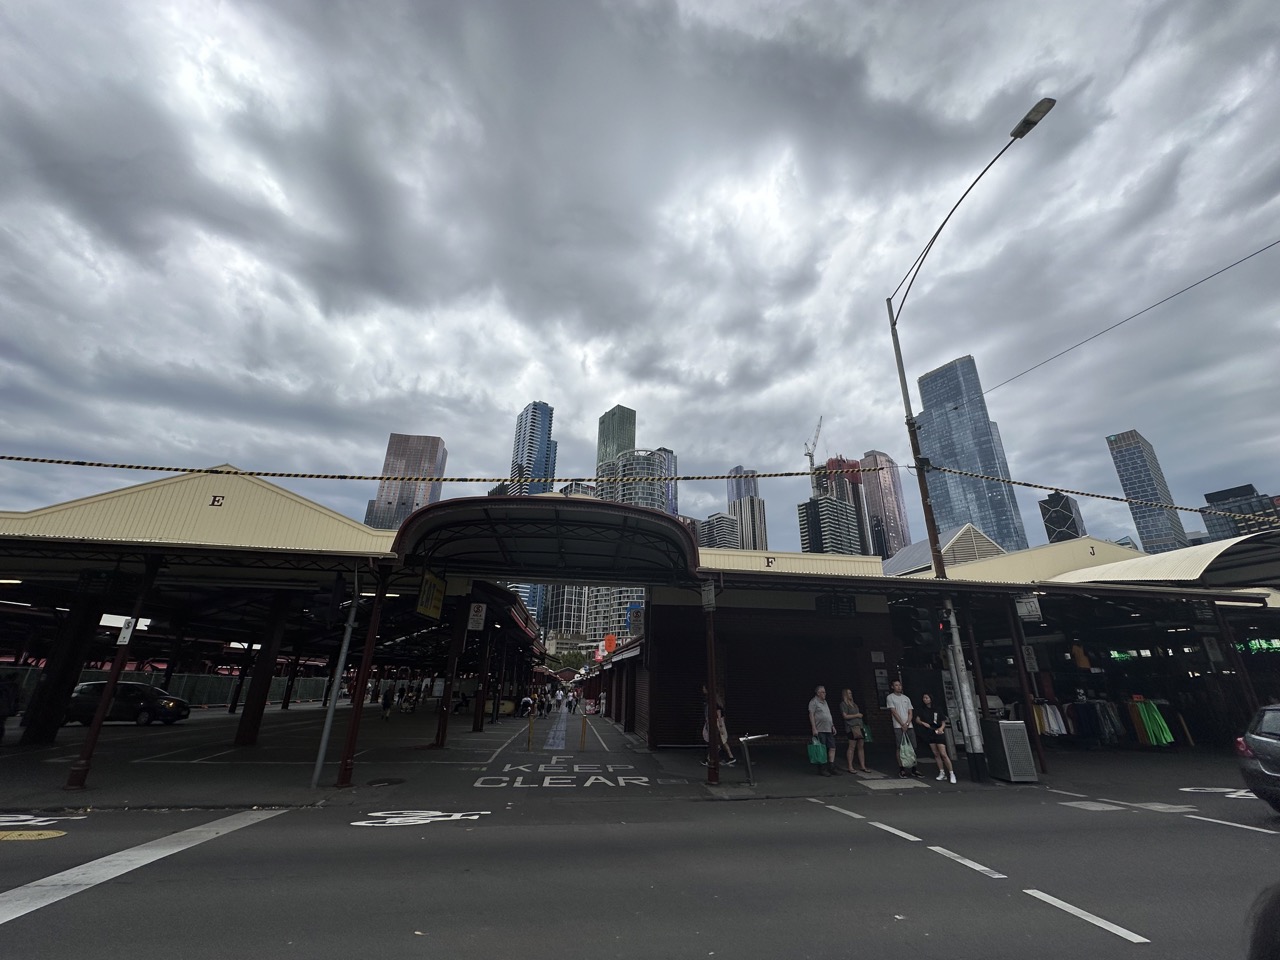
x,y
906,755
866,732
817,752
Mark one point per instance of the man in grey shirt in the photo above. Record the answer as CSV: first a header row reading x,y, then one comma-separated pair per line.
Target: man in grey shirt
x,y
823,729
903,714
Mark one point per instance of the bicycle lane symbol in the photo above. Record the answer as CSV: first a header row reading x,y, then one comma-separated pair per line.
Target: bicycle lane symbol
x,y
409,818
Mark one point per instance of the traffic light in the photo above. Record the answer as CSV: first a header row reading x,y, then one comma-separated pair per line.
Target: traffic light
x,y
918,626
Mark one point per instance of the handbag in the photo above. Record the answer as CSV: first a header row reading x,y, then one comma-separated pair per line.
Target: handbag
x,y
817,751
906,754
866,732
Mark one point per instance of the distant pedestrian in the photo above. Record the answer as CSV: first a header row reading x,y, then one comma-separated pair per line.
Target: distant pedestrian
x,y
10,693
823,729
542,705
572,703
401,693
559,699
388,698
902,713
526,706
852,714
931,729
721,732
601,709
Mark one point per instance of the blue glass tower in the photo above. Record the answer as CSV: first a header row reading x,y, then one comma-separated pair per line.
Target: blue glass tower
x,y
1159,528
956,432
533,455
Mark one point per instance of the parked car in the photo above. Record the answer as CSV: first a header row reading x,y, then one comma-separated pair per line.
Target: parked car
x,y
1259,753
137,702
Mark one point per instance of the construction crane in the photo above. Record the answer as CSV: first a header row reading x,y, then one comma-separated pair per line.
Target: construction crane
x,y
809,449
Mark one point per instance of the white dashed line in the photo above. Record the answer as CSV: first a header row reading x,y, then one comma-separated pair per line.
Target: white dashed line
x,y
894,830
1088,917
1228,823
969,863
847,813
1066,793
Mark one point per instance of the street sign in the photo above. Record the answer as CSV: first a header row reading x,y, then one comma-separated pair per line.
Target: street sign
x,y
1029,658
475,619
126,631
431,596
1028,607
708,595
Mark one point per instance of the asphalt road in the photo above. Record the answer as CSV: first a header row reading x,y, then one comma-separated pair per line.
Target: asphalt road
x,y
570,873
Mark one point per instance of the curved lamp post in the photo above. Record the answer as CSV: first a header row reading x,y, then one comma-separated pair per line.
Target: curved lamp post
x,y
973,735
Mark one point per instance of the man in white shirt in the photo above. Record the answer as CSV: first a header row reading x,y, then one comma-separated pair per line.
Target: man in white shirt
x,y
903,715
823,729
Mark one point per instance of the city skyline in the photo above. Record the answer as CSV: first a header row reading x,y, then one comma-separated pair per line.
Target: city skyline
x,y
1141,477
420,223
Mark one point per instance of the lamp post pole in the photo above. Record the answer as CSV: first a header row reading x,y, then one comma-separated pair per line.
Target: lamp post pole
x,y
960,679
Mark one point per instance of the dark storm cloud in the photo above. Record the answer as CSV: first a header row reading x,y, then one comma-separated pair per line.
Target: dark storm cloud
x,y
272,233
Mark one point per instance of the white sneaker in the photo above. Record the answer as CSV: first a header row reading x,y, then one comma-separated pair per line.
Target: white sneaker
x,y
953,777
942,775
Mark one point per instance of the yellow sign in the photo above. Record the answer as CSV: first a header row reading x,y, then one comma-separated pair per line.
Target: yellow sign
x,y
431,596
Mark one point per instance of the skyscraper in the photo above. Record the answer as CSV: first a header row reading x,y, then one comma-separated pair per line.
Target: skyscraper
x,y
842,480
742,483
533,454
886,510
408,455
752,530
1062,520
1159,528
956,432
1243,500
721,531
828,525
617,433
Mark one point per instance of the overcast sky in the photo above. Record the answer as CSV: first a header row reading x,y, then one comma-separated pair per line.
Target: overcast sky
x,y
270,234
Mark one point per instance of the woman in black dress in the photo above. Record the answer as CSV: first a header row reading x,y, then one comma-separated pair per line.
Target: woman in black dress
x,y
931,726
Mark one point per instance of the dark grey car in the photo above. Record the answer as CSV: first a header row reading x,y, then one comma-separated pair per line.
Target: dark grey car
x,y
1259,753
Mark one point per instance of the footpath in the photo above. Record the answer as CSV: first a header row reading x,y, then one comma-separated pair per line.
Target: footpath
x,y
195,764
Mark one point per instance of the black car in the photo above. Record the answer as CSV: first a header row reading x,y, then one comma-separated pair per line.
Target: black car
x,y
1259,753
137,702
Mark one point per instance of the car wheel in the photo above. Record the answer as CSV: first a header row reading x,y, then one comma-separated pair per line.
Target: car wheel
x,y
143,718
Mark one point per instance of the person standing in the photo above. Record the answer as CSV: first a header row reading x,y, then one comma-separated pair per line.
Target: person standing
x,y
903,713
388,698
721,733
10,694
559,699
931,724
852,714
823,729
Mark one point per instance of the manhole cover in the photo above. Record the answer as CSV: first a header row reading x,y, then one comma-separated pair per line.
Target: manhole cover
x,y
387,782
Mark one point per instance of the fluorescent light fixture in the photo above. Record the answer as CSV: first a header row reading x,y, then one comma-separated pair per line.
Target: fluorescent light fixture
x,y
387,595
10,581
14,603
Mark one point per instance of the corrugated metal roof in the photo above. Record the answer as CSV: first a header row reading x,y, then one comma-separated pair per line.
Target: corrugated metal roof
x,y
203,509
1185,566
829,564
959,545
1039,563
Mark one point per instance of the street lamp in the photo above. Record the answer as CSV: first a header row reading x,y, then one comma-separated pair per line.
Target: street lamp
x,y
973,735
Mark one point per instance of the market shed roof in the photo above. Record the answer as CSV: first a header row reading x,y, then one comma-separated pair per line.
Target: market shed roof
x,y
1249,561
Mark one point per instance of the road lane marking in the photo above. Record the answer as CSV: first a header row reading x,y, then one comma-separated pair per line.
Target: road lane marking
x,y
1153,807
893,830
969,863
522,732
1090,805
40,893
1228,823
1088,917
592,728
816,800
847,813
1066,793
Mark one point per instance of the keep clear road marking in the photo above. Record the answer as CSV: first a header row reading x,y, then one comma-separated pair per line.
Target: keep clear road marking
x,y
1228,823
40,893
1089,917
969,863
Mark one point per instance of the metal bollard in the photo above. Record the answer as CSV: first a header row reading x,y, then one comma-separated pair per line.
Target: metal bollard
x,y
531,731
582,743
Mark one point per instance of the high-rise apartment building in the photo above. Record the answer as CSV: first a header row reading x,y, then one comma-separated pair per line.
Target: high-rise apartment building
x,y
956,432
1159,528
841,479
1062,520
886,509
617,433
566,609
720,531
752,530
533,453
1263,512
408,455
829,525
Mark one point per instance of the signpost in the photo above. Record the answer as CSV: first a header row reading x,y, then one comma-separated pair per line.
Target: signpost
x,y
475,618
